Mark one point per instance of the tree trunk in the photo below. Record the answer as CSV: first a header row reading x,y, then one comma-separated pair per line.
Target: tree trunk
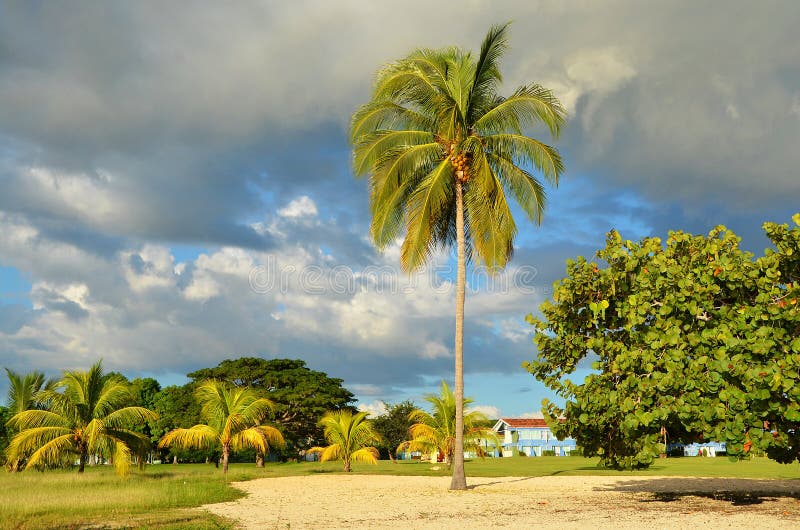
x,y
225,452
459,481
392,457
259,460
347,465
82,465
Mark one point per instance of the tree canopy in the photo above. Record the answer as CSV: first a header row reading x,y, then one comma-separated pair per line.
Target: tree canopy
x,y
436,432
86,414
301,396
351,438
393,426
693,338
234,420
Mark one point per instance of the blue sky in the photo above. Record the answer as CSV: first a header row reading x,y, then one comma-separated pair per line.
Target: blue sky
x,y
175,185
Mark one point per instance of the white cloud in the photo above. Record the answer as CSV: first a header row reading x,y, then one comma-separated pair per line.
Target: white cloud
x,y
490,411
535,414
299,208
375,408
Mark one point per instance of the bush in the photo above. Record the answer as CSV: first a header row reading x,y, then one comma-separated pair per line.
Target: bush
x,y
576,452
548,453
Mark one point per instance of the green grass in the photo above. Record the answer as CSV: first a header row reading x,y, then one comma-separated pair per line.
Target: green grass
x,y
159,498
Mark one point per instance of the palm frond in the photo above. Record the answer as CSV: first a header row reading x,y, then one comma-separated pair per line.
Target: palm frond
x,y
29,440
426,205
129,416
390,187
52,451
371,147
197,437
527,190
365,455
31,419
122,459
523,150
527,106
487,72
386,114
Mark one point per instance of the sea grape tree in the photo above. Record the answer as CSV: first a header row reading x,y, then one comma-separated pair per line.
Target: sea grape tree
x,y
692,339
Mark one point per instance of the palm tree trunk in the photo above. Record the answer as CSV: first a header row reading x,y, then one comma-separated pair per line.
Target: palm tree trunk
x,y
82,464
259,460
459,481
225,452
347,465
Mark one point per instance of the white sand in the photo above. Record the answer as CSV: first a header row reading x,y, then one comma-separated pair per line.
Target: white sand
x,y
373,501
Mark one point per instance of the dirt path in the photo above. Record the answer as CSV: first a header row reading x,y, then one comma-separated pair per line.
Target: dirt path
x,y
372,501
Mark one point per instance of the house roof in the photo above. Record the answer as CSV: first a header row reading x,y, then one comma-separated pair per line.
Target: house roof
x,y
517,423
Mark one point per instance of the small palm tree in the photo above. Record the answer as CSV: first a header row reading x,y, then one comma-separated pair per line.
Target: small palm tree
x,y
21,397
86,415
22,390
436,433
350,437
445,154
234,417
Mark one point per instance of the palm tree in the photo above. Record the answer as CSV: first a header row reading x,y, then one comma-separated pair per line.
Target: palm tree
x,y
22,390
436,433
350,437
86,415
234,417
443,151
21,396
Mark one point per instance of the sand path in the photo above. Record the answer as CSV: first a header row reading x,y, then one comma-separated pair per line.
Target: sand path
x,y
373,501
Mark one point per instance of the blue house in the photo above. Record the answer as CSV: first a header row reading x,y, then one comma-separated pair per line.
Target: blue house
x,y
530,436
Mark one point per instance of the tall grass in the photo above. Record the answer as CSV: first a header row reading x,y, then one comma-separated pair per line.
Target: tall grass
x,y
161,496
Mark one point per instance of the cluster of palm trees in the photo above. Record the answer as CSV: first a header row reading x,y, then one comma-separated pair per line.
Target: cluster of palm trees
x,y
89,414
351,435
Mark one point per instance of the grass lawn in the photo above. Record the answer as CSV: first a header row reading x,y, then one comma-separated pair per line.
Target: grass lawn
x,y
159,497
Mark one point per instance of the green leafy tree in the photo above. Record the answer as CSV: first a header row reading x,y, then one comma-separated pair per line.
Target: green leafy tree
x,y
393,426
177,408
351,438
234,419
436,432
86,415
443,152
5,435
301,395
693,339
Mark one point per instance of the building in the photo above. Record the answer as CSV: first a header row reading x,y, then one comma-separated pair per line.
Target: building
x,y
530,436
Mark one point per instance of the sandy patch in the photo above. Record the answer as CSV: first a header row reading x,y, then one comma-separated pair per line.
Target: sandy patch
x,y
371,501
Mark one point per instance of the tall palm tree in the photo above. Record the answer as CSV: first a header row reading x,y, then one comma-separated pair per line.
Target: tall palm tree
x,y
443,151
436,432
350,437
86,415
234,417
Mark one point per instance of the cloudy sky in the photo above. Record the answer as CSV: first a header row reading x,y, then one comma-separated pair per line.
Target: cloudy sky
x,y
175,183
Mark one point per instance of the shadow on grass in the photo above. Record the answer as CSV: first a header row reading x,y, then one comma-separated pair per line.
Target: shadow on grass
x,y
738,492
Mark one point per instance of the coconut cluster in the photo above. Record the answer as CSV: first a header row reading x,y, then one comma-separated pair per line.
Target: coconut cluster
x,y
461,164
